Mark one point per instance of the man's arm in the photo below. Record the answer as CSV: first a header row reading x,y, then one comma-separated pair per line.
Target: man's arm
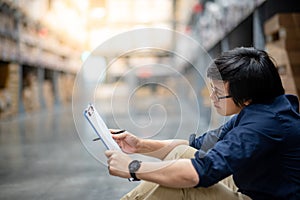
x,y
129,143
174,173
158,148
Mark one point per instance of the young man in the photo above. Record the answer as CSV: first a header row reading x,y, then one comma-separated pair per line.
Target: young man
x,y
259,146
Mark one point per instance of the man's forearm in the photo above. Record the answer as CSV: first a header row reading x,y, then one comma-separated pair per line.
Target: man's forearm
x,y
158,148
177,173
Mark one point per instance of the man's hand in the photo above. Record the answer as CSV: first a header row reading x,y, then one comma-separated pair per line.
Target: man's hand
x,y
128,142
118,163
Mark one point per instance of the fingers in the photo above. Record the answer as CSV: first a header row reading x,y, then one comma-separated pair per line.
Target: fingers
x,y
109,153
117,133
113,158
114,130
110,156
117,163
119,136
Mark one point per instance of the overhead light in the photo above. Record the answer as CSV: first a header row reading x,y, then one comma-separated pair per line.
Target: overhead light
x,y
98,13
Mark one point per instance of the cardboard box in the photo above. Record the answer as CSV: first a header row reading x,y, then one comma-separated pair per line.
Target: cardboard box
x,y
48,94
278,54
65,86
288,64
285,34
31,95
3,75
9,93
286,20
288,85
290,45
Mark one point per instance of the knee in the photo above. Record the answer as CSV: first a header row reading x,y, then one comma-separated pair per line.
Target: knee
x,y
181,151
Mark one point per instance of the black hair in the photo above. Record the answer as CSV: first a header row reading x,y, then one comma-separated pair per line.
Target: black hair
x,y
251,75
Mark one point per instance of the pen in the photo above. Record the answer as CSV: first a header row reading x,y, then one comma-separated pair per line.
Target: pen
x,y
117,132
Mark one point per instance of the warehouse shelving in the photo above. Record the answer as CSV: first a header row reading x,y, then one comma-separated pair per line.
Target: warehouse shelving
x,y
31,50
247,30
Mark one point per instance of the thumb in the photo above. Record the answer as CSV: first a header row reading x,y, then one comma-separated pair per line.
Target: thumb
x,y
108,153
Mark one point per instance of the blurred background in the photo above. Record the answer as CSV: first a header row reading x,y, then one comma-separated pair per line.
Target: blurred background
x,y
45,43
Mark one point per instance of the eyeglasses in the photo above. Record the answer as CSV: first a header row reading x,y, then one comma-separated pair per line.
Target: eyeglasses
x,y
223,97
215,94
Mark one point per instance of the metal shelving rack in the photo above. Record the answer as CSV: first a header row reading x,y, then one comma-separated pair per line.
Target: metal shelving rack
x,y
27,44
248,31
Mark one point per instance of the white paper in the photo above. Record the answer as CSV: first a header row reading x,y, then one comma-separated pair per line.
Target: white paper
x,y
100,128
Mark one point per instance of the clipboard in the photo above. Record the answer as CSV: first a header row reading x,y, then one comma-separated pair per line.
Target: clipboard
x,y
100,128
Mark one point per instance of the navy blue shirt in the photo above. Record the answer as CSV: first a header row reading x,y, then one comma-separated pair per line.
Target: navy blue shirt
x,y
260,147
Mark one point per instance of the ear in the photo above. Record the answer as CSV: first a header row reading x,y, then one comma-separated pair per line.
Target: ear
x,y
246,103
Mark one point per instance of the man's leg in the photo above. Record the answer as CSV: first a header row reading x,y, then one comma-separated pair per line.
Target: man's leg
x,y
153,191
228,182
145,189
215,192
141,191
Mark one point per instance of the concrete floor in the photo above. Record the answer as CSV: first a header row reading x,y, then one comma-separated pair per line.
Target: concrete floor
x,y
42,157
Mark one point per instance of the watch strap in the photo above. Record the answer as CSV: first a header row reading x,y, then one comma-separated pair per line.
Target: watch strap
x,y
134,178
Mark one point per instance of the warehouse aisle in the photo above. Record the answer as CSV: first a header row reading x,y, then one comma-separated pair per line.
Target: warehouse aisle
x,y
41,154
43,158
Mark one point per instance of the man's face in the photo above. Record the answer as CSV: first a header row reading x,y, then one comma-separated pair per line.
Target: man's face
x,y
223,103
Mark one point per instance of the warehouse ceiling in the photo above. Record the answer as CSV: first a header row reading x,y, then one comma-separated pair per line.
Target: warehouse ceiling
x,y
94,21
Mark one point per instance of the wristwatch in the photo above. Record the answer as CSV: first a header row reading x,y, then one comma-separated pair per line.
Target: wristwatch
x,y
133,167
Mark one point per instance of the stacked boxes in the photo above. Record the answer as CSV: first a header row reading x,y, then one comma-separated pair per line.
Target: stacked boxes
x,y
65,88
48,94
4,95
282,33
13,86
9,92
31,93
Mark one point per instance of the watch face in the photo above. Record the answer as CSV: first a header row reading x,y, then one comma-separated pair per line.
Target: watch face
x,y
134,165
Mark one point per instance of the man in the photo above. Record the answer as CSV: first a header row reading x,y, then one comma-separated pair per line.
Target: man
x,y
259,146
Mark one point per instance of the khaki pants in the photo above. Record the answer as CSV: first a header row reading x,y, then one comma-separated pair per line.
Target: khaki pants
x,y
224,190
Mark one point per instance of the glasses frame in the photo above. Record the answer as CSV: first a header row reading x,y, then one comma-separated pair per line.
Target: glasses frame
x,y
223,97
214,93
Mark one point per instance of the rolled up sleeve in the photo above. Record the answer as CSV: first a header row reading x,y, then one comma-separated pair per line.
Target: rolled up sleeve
x,y
211,168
